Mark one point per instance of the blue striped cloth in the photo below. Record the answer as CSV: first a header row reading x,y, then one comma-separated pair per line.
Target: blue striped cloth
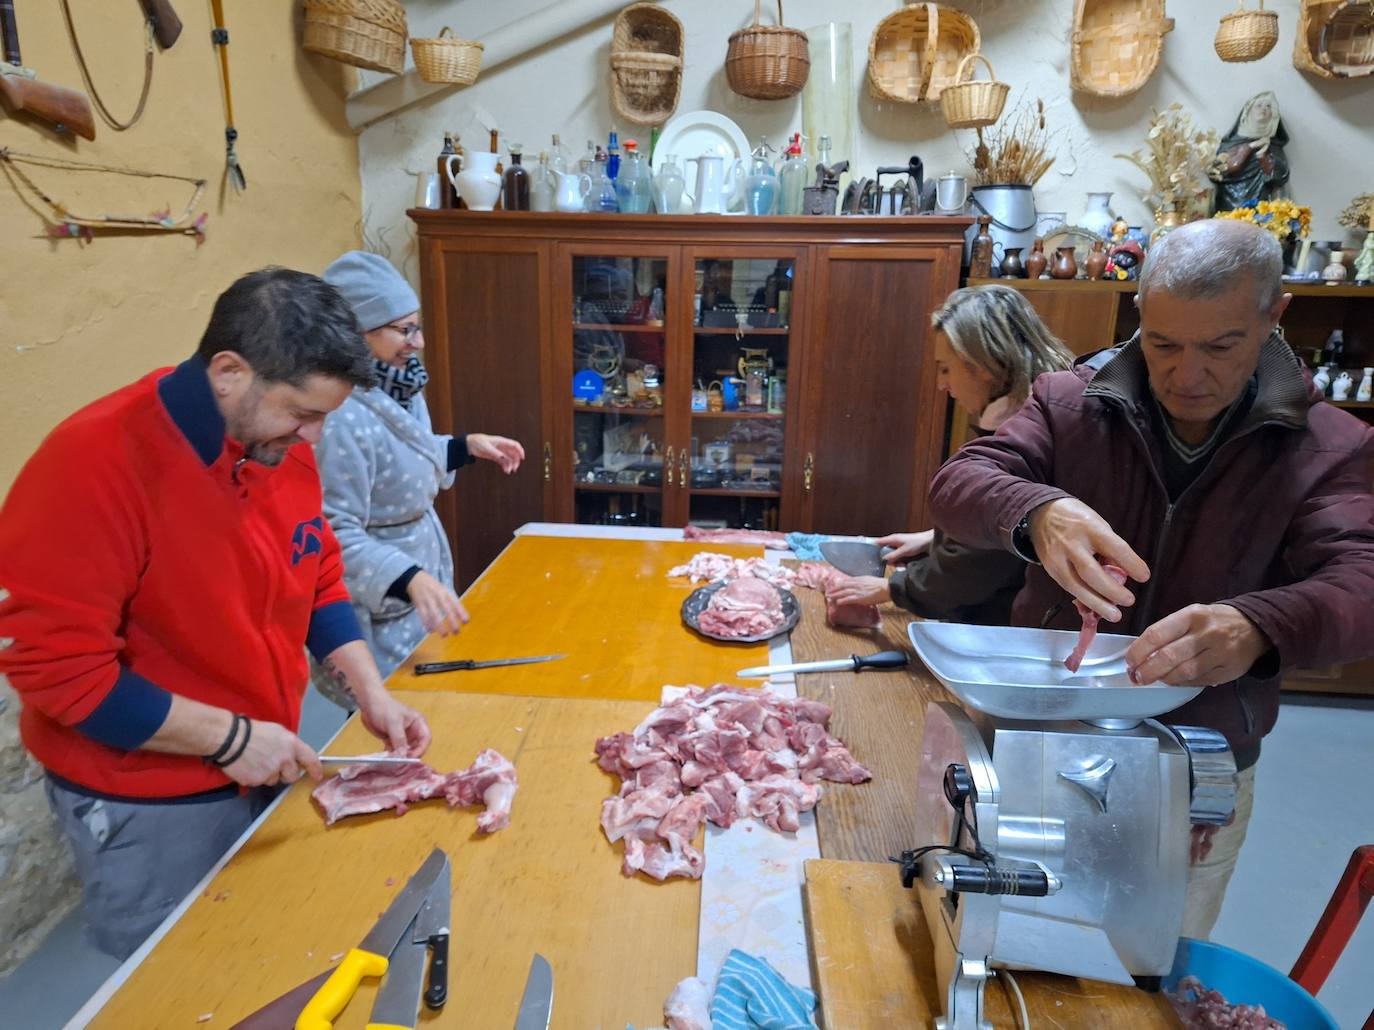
x,y
807,546
750,994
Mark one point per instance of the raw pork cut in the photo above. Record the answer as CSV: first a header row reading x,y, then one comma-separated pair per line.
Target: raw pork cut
x,y
1090,620
765,537
707,567
1199,1008
743,608
362,788
721,755
824,577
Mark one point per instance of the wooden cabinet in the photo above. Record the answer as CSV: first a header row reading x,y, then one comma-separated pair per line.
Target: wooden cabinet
x,y
818,327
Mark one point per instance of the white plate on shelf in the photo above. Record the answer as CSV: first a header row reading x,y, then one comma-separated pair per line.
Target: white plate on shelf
x,y
698,132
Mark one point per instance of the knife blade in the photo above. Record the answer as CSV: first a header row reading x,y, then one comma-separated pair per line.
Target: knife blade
x,y
854,663
369,760
467,664
398,999
537,1002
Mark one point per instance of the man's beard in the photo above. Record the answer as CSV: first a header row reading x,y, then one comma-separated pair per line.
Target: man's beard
x,y
265,454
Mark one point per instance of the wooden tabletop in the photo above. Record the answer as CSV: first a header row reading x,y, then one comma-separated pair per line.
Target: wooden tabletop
x,y
607,604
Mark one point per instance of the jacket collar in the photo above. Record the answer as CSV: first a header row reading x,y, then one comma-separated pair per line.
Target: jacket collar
x,y
185,393
1284,391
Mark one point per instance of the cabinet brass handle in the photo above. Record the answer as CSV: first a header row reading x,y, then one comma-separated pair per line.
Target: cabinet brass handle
x,y
683,461
808,471
668,465
548,462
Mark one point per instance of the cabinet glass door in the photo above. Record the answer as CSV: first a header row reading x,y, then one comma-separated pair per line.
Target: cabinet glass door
x,y
619,365
733,463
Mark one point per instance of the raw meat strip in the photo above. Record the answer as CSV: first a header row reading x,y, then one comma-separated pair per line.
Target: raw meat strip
x,y
708,567
362,788
743,608
1090,620
767,538
824,577
1200,1008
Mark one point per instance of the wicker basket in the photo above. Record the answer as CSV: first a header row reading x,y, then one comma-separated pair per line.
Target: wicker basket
x,y
446,58
646,64
1116,45
1246,35
363,33
1335,39
915,54
969,105
767,62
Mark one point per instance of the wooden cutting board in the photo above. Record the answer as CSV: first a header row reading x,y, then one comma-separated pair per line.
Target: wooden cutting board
x,y
873,966
298,895
607,604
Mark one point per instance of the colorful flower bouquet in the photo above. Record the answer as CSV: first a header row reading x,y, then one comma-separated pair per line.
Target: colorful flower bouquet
x,y
1289,222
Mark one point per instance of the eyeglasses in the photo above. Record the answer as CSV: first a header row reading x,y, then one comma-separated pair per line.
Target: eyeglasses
x,y
409,330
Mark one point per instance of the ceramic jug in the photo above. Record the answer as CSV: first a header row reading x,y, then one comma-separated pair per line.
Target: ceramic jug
x,y
1065,265
1098,218
715,185
1011,264
1340,387
477,184
1096,263
669,186
1035,264
571,191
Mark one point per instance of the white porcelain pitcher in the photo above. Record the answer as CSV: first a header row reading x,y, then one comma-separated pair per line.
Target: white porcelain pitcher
x,y
572,190
478,184
715,186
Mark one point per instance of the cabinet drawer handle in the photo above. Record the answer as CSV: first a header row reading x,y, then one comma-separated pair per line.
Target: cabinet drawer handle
x,y
548,462
808,471
683,460
668,465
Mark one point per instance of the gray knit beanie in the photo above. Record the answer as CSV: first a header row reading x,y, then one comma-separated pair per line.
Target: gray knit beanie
x,y
376,292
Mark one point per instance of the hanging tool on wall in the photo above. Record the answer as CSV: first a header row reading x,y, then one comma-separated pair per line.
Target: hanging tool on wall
x,y
162,24
219,36
65,108
163,20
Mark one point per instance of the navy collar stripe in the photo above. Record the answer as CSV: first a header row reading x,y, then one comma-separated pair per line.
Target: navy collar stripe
x,y
185,393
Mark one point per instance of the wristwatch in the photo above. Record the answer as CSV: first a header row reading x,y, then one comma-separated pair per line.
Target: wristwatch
x,y
1021,540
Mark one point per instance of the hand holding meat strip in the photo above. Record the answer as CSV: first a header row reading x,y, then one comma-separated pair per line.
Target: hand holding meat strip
x,y
1090,619
1068,537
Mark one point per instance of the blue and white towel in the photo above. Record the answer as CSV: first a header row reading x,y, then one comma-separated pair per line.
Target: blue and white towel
x,y
750,995
807,546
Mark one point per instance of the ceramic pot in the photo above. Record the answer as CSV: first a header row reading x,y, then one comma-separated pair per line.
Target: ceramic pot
x,y
1366,390
1065,265
1335,272
1035,264
1340,387
1098,218
1165,222
477,184
1011,264
1096,262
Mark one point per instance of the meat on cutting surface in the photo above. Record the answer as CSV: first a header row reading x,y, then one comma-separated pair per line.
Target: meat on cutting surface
x,y
743,608
825,578
764,537
708,567
733,754
1090,620
362,788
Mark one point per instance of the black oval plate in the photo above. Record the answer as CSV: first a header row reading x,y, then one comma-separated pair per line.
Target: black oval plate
x,y
699,598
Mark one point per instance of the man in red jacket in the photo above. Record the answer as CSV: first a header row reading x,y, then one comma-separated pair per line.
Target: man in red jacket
x,y
1202,445
167,565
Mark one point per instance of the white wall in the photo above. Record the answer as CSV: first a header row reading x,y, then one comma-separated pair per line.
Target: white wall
x,y
565,89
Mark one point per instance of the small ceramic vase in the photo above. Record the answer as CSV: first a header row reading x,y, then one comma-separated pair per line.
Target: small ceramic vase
x,y
1011,264
1321,379
1335,272
1096,263
1340,388
1366,390
1035,264
1065,266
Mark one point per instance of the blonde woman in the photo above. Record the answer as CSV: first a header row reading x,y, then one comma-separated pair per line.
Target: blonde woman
x,y
990,346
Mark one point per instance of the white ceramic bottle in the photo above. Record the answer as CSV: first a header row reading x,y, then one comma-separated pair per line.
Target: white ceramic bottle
x,y
1366,390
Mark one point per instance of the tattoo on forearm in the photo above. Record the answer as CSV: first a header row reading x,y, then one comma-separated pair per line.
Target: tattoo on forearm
x,y
340,679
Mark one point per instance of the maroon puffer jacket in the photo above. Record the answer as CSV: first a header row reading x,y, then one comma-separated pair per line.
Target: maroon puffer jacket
x,y
1280,524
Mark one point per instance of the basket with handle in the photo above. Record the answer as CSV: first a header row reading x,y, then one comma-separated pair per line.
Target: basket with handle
x,y
646,64
767,62
1116,45
914,53
363,33
446,58
1335,38
1246,35
969,105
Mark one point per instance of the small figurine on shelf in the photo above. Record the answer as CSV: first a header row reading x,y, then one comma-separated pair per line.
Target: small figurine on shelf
x,y
1335,272
1340,387
1366,390
1364,264
1124,261
1118,231
1321,379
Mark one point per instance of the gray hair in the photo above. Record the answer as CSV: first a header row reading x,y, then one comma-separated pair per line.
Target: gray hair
x,y
996,328
1210,257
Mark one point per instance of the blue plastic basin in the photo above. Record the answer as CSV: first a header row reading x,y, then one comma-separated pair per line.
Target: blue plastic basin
x,y
1247,981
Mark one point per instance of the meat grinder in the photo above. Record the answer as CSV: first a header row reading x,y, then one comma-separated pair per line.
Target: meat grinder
x,y
1053,816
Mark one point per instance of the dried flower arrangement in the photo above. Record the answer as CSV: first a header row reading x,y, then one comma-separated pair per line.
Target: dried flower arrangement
x,y
1176,158
1015,151
1360,213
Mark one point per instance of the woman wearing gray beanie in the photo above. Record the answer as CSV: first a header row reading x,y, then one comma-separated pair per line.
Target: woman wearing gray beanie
x,y
381,465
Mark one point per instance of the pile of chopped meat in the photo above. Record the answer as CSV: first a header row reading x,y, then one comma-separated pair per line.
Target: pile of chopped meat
x,y
743,608
720,754
707,567
362,788
1202,1009
762,537
1090,620
825,577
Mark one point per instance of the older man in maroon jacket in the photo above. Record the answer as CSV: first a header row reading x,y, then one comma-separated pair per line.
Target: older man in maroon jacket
x,y
1199,458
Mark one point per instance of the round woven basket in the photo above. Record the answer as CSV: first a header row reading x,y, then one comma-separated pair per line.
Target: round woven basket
x,y
1116,45
1246,35
363,33
446,58
914,54
646,64
768,62
969,105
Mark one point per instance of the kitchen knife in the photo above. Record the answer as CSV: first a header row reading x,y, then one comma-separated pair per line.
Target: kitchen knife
x,y
369,760
537,1002
398,999
432,928
466,664
854,663
856,557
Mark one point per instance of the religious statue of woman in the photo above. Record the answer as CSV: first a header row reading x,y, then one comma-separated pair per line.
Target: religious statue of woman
x,y
1250,165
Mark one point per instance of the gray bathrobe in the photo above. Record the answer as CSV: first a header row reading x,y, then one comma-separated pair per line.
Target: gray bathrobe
x,y
381,467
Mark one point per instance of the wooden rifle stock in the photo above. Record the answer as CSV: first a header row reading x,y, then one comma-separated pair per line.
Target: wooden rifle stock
x,y
64,108
166,24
